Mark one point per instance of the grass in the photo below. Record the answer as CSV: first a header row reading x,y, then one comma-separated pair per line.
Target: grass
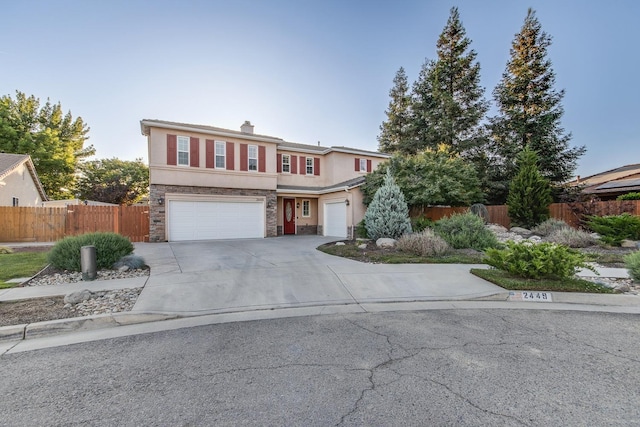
x,y
514,283
386,256
20,264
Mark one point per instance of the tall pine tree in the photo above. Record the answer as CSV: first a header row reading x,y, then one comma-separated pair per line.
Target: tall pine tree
x,y
530,111
393,136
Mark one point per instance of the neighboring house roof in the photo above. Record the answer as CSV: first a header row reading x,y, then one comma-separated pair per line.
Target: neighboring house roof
x,y
145,124
619,180
10,162
345,185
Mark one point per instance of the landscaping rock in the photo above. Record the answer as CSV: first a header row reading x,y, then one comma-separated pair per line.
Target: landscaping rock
x,y
497,228
78,297
339,243
521,231
123,268
362,246
385,242
629,244
535,239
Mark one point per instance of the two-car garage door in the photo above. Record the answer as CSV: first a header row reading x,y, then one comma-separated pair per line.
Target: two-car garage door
x,y
209,220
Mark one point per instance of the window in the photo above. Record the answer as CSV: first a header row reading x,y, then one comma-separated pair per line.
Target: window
x,y
286,163
183,150
15,201
363,165
309,165
220,154
253,157
306,208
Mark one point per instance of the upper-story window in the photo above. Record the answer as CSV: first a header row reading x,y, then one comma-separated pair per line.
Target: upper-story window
x,y
363,165
309,165
253,157
286,163
220,154
183,150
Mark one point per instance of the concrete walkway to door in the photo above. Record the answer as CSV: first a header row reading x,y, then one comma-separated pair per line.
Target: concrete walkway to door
x,y
237,275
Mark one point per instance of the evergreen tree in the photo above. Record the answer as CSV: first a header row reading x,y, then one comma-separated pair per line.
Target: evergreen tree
x,y
394,131
529,193
388,214
449,102
530,111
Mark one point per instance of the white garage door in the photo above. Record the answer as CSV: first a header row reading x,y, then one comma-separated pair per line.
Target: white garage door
x,y
335,219
215,220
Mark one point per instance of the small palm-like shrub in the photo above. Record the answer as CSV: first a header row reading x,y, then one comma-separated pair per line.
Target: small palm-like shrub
x,y
134,262
549,226
426,243
466,230
572,238
613,229
537,261
110,247
632,262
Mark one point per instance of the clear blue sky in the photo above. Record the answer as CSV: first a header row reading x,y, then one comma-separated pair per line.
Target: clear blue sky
x,y
305,71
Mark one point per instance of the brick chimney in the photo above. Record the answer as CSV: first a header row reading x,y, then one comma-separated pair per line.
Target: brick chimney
x,y
247,127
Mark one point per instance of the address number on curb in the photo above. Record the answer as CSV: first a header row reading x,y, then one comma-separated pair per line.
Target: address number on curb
x,y
530,296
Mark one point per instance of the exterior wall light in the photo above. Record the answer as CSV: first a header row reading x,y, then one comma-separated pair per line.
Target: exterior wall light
x,y
346,201
161,200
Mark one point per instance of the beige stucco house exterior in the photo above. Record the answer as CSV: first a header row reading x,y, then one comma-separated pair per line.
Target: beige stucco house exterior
x,y
19,182
213,183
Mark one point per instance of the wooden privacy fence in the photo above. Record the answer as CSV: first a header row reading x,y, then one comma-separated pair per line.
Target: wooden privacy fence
x,y
499,214
30,224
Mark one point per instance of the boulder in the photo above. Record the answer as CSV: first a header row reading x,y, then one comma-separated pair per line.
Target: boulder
x,y
497,228
123,269
535,239
362,246
629,244
339,243
78,296
521,231
385,242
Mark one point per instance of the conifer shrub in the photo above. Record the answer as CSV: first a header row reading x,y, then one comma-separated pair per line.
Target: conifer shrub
x,y
613,229
361,230
537,261
110,247
387,214
466,230
571,237
134,262
529,192
425,243
549,226
421,223
632,262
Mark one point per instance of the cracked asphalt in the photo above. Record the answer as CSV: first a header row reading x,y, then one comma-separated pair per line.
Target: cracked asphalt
x,y
444,367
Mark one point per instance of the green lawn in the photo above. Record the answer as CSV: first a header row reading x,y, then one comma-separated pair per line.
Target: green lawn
x,y
20,264
514,283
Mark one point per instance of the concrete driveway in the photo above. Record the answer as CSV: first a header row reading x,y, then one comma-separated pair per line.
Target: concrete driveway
x,y
238,275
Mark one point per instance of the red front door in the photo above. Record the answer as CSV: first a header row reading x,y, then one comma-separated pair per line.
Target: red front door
x,y
289,216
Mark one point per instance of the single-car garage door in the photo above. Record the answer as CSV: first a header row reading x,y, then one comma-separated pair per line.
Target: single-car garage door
x,y
191,220
335,219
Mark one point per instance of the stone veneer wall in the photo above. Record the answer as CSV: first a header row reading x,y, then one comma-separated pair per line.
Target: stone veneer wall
x,y
307,230
157,213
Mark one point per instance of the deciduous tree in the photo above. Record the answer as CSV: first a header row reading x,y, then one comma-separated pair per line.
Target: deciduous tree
x,y
116,181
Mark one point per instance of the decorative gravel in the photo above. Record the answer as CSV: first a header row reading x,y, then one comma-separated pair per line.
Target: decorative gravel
x,y
75,277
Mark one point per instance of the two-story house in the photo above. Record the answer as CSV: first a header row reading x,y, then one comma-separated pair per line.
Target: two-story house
x,y
212,183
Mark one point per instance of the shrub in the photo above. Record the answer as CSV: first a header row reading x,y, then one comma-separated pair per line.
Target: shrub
x,y
537,261
134,262
110,247
549,226
466,230
529,192
5,250
421,223
480,210
632,262
572,238
613,229
388,214
629,196
425,243
361,230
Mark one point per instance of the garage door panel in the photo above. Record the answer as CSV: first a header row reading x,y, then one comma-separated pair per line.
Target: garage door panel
x,y
335,219
215,220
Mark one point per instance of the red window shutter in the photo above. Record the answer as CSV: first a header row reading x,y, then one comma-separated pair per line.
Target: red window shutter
x,y
230,156
294,164
279,161
172,150
194,152
316,166
244,155
303,165
357,169
262,158
368,165
210,153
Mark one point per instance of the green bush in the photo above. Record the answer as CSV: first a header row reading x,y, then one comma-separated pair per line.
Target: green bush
x,y
361,230
529,192
629,196
110,247
613,229
549,226
537,261
388,214
466,230
632,262
572,238
421,223
425,243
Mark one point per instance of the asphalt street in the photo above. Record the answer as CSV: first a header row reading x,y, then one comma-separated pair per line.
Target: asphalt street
x,y
442,367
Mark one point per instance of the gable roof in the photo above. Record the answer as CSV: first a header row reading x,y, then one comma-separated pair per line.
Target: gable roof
x,y
346,185
10,162
610,175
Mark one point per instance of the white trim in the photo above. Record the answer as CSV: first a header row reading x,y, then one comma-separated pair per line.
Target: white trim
x,y
188,151
215,154
308,215
332,149
249,158
307,166
288,164
146,124
361,160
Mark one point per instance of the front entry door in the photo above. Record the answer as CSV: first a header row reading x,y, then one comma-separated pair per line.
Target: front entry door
x,y
289,216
